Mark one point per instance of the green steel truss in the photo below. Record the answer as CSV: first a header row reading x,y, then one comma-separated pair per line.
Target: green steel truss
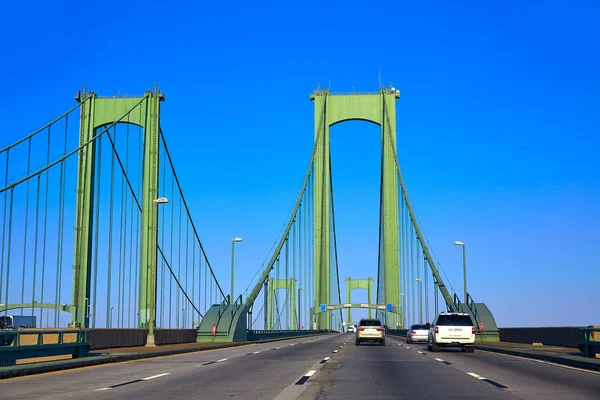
x,y
352,284
98,112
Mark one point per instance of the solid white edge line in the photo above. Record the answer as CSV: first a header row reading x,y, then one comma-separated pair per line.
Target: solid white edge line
x,y
223,359
335,351
544,362
155,376
474,375
310,373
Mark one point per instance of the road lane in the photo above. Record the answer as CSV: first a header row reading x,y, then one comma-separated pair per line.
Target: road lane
x,y
528,378
87,382
392,372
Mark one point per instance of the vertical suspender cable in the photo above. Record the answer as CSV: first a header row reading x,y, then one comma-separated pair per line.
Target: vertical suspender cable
x,y
35,249
26,223
4,220
178,267
187,235
97,228
45,237
12,193
110,231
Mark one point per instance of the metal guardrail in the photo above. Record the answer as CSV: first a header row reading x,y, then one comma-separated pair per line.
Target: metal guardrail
x,y
11,348
269,334
587,344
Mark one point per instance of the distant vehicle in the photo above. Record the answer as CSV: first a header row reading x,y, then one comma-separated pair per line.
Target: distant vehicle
x,y
452,330
351,329
417,333
17,321
370,330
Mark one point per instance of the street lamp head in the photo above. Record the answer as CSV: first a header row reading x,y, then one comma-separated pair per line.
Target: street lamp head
x,y
237,239
160,200
459,243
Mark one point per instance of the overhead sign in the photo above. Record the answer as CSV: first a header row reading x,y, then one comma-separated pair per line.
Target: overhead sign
x,y
364,305
347,305
389,306
330,307
323,307
381,307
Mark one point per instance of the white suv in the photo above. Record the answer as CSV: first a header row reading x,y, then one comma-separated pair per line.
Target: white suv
x,y
452,330
370,330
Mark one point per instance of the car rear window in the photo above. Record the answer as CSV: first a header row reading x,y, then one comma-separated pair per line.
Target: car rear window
x,y
454,320
419,327
370,322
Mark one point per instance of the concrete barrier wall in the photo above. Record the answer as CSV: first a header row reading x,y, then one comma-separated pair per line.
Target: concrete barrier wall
x,y
565,336
112,338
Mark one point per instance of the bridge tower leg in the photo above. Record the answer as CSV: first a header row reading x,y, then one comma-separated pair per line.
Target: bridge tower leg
x,y
389,209
84,213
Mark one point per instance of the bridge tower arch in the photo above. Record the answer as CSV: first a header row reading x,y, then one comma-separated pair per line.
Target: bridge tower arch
x,y
352,284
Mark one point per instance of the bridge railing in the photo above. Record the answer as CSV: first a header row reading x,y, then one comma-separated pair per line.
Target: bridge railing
x,y
272,334
13,347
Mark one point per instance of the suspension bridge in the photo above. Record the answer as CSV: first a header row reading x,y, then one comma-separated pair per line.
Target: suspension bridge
x,y
96,233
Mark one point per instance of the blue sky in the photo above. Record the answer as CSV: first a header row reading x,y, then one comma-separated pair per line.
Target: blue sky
x,y
497,125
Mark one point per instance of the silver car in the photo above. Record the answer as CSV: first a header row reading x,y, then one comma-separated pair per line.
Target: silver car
x,y
417,333
370,330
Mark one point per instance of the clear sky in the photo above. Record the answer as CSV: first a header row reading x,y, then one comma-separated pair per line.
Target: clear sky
x,y
498,124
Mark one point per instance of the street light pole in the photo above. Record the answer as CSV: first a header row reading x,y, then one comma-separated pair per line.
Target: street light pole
x,y
150,338
464,250
233,242
420,283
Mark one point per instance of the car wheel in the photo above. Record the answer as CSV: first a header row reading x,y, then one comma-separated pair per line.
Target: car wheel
x,y
435,348
471,349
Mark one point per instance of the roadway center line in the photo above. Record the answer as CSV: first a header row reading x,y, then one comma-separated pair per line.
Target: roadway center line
x,y
155,376
306,377
223,359
474,375
484,379
438,359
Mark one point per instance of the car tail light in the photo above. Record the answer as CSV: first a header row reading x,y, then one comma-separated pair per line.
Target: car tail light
x,y
472,330
361,329
437,330
379,329
413,332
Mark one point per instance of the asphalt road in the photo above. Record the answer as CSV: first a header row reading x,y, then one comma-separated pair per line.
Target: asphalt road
x,y
326,367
